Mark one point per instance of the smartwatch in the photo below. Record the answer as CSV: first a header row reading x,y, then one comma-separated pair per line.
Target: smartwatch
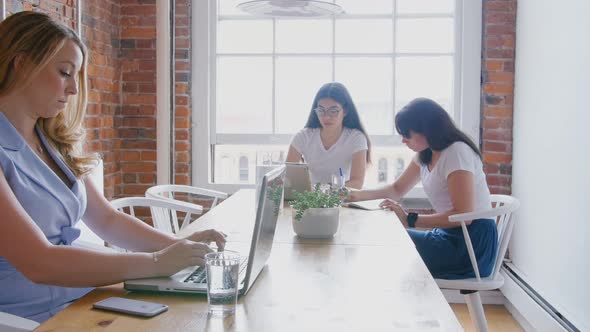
x,y
412,219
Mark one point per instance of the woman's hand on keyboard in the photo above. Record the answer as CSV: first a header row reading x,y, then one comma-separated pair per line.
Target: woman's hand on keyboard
x,y
208,236
180,255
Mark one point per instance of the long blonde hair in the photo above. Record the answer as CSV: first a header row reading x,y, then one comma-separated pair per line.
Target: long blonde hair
x,y
38,38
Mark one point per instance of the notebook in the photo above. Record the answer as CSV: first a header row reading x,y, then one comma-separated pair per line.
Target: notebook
x,y
297,179
256,255
365,205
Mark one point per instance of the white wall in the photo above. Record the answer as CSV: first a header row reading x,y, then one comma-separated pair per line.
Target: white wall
x,y
551,169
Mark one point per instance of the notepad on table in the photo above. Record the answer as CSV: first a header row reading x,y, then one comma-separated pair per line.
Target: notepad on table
x,y
365,205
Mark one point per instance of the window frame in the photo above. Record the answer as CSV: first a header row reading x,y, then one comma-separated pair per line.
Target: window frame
x,y
466,90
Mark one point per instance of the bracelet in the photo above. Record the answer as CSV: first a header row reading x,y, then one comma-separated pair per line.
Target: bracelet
x,y
155,257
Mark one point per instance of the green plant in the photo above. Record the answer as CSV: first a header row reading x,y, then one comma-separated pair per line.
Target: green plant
x,y
314,199
275,193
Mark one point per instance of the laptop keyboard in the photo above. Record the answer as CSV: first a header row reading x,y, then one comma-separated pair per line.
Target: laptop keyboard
x,y
199,275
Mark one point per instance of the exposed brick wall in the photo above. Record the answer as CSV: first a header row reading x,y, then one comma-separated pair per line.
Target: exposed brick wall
x,y
182,87
498,92
100,31
136,121
63,10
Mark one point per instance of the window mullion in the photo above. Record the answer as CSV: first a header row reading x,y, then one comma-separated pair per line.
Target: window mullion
x,y
394,61
274,75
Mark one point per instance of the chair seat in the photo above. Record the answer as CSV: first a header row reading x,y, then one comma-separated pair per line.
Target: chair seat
x,y
12,323
472,283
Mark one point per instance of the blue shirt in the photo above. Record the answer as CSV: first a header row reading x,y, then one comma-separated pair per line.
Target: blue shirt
x,y
53,206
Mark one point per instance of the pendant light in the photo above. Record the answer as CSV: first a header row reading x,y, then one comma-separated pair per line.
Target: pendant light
x,y
291,8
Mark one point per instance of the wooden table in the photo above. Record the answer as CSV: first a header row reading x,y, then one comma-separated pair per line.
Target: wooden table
x,y
358,281
357,227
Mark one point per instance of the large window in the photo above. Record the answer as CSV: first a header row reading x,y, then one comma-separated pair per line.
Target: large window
x,y
264,73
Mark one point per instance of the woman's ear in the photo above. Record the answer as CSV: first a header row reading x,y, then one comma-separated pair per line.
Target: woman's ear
x,y
18,61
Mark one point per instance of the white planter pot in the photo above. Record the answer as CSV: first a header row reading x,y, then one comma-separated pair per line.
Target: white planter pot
x,y
317,223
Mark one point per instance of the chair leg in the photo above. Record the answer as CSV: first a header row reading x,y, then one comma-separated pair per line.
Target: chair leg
x,y
475,308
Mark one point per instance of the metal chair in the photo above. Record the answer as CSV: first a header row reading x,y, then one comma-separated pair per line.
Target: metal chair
x,y
171,192
503,207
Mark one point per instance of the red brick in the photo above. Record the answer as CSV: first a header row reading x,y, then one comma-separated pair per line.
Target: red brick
x,y
501,77
497,123
181,88
138,32
497,147
498,112
141,167
130,156
147,178
139,122
497,157
182,123
182,111
182,146
136,190
182,135
148,156
182,157
139,99
182,179
497,88
141,10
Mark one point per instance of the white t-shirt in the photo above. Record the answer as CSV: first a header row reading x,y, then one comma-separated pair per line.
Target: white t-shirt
x,y
458,156
323,163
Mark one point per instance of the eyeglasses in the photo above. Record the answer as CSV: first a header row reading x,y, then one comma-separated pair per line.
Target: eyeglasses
x,y
331,112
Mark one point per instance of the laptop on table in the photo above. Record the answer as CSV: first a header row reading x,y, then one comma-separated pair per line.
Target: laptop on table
x,y
193,279
297,179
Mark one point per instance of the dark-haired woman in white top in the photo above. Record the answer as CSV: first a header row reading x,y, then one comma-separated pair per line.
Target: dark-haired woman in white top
x,y
449,165
333,138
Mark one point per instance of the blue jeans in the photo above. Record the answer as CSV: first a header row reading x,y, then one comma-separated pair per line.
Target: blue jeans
x,y
444,252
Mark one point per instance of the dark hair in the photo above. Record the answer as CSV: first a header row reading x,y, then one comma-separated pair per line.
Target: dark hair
x,y
338,92
426,117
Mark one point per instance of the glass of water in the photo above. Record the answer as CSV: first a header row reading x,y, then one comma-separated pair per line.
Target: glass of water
x,y
222,281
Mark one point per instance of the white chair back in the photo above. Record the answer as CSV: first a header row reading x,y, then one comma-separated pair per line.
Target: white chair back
x,y
506,205
171,192
502,210
161,210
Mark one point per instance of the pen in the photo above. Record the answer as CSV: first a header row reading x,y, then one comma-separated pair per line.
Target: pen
x,y
341,178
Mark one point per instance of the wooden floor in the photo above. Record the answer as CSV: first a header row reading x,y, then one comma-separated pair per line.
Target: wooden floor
x,y
499,319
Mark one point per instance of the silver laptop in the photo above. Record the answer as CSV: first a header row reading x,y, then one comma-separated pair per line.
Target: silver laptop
x,y
193,279
297,179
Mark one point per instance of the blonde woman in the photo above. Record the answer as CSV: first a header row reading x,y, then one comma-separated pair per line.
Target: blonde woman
x,y
43,189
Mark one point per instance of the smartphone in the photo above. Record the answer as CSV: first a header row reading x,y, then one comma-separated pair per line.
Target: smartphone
x,y
132,307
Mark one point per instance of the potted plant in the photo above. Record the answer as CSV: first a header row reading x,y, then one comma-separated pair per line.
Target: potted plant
x,y
315,213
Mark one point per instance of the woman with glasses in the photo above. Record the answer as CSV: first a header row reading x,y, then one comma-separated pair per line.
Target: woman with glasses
x,y
449,165
333,139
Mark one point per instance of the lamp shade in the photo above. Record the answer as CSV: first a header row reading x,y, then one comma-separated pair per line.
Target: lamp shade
x,y
290,8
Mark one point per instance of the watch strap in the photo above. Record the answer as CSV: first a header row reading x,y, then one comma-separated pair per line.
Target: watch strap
x,y
412,219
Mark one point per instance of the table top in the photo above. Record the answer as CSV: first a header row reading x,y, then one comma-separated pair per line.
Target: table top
x,y
350,283
235,216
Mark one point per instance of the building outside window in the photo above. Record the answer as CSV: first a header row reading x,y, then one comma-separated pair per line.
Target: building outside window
x,y
382,177
244,169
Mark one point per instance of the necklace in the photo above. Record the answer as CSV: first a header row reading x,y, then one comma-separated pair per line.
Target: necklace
x,y
39,148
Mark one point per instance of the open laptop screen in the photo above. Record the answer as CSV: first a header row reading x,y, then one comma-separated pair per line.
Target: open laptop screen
x,y
269,202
